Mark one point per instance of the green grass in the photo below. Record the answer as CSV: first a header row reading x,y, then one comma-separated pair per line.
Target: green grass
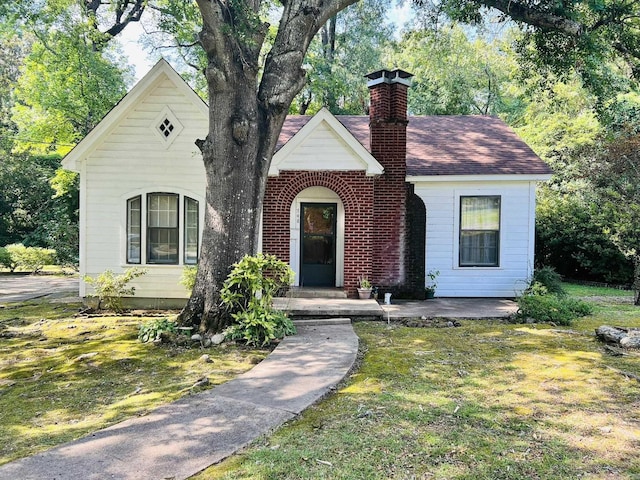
x,y
48,396
577,290
487,400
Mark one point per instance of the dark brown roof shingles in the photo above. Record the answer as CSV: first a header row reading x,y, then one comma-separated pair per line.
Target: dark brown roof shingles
x,y
448,145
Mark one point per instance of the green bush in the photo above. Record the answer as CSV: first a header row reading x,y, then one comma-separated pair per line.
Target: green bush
x,y
5,259
248,292
570,237
548,308
152,329
550,279
259,326
29,258
109,288
188,277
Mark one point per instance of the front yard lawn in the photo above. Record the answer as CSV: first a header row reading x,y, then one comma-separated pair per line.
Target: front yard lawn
x,y
62,377
487,400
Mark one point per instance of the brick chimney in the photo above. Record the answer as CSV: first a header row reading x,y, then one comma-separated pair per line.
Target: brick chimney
x,y
388,141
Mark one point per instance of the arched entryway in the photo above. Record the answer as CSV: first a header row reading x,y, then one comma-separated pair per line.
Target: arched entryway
x,y
415,251
317,238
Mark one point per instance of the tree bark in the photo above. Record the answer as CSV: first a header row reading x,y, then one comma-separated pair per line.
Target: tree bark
x,y
246,113
636,280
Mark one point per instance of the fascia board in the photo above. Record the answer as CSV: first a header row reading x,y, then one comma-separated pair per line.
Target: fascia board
x,y
478,178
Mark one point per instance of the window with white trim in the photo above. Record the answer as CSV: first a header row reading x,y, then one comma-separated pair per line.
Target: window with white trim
x,y
479,231
155,228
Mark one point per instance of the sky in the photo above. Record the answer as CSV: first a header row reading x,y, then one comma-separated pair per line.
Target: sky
x,y
137,55
142,61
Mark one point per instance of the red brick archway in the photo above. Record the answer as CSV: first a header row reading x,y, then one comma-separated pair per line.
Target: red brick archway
x,y
355,190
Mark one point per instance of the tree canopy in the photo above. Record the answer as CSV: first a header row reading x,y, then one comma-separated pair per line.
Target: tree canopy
x,y
253,53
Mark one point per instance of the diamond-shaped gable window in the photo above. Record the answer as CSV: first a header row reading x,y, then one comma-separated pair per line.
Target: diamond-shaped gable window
x,y
166,126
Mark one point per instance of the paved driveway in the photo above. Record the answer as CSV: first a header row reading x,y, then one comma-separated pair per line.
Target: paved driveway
x,y
18,287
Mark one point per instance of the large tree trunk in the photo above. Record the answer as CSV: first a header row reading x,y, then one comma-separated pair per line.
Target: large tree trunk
x,y
245,119
636,279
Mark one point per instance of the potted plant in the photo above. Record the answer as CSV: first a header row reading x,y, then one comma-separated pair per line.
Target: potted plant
x,y
364,290
430,287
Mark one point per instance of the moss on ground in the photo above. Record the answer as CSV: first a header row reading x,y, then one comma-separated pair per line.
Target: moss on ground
x,y
62,377
487,400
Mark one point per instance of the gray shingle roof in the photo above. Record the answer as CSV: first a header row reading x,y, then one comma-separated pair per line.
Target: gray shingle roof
x,y
448,145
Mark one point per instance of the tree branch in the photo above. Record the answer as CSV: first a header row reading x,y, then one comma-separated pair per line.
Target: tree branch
x,y
541,19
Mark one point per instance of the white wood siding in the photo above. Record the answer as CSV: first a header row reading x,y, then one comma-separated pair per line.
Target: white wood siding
x,y
517,223
132,160
322,149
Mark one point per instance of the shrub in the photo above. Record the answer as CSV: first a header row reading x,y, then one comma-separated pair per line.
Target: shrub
x,y
151,330
258,326
188,277
551,308
248,292
5,259
550,279
545,300
109,288
540,305
30,258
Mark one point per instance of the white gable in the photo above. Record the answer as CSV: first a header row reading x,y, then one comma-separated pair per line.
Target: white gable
x,y
161,96
324,144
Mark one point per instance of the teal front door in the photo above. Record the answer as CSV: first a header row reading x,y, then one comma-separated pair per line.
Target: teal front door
x,y
318,248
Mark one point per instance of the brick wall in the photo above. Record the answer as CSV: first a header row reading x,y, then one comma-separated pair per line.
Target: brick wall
x,y
388,122
355,190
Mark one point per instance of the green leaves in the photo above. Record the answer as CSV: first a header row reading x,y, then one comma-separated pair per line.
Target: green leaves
x,y
152,329
454,75
65,89
110,288
249,291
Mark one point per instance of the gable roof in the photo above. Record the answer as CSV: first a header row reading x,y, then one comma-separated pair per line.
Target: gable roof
x,y
157,74
299,128
448,145
436,145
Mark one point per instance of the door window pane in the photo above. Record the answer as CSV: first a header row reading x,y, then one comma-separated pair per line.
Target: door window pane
x,y
479,231
319,220
318,250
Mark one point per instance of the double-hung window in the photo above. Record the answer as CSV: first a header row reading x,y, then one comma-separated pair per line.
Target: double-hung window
x,y
479,231
161,229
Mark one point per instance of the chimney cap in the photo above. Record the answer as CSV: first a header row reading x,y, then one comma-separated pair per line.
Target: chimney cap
x,y
389,76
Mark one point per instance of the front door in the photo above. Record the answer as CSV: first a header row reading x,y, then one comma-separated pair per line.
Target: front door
x,y
318,249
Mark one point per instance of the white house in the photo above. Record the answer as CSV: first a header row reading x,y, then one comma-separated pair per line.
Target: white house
x,y
386,196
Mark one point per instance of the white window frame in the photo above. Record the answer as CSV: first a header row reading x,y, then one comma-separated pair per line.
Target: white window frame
x,y
144,236
458,194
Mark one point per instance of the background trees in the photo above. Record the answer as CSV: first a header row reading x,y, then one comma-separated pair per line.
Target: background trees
x,y
58,78
557,79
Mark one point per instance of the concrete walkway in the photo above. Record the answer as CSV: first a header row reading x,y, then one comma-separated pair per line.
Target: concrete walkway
x,y
185,437
20,288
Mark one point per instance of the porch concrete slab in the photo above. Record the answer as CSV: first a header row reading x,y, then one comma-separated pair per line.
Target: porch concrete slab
x,y
182,438
329,307
318,308
451,308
